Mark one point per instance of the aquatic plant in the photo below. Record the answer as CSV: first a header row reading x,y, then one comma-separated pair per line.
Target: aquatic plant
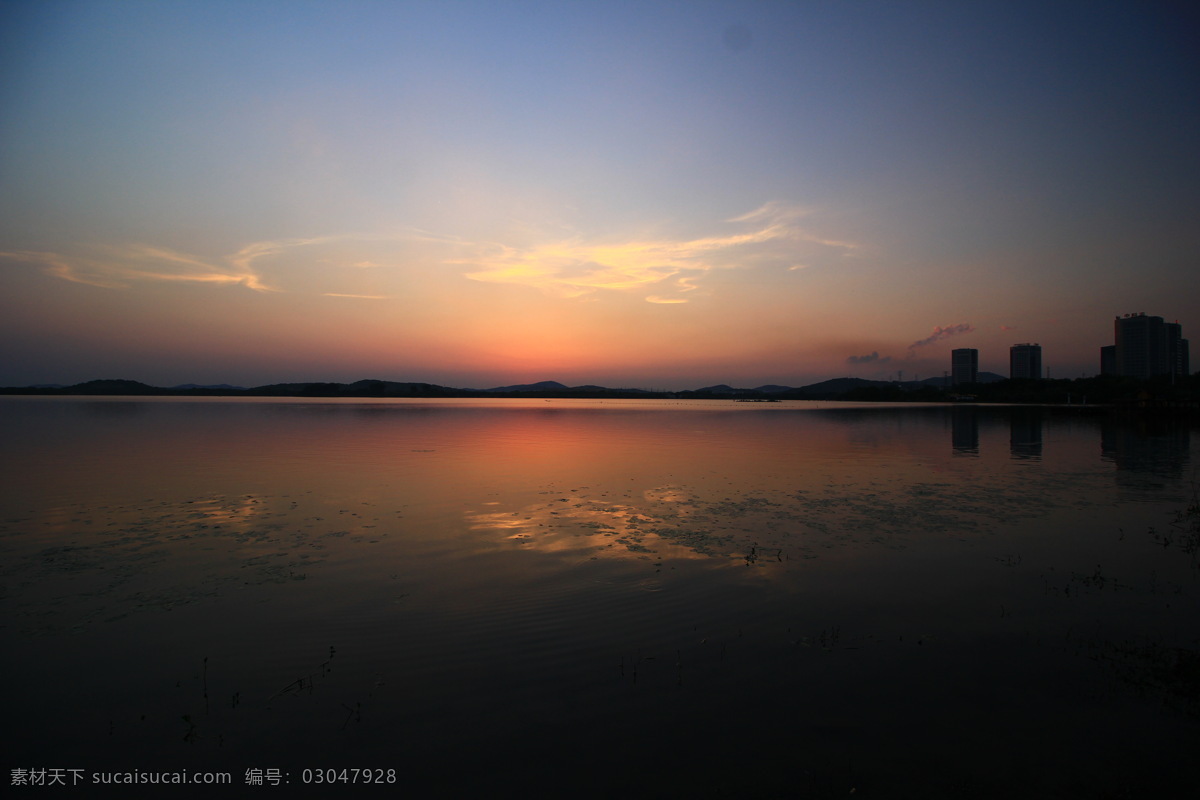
x,y
1169,674
1183,532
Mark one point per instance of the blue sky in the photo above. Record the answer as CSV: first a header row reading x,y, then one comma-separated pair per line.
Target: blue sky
x,y
648,194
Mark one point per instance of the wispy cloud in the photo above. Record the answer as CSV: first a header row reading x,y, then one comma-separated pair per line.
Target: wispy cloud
x,y
774,211
246,259
261,266
63,268
871,358
122,267
663,270
575,267
940,333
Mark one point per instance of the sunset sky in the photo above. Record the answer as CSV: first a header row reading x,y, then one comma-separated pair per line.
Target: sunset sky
x,y
651,194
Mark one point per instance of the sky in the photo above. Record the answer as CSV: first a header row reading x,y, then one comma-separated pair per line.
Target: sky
x,y
662,195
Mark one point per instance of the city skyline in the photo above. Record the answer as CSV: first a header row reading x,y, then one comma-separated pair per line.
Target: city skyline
x,y
1025,361
633,195
1145,346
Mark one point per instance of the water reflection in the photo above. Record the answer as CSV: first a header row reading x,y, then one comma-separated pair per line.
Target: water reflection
x,y
665,522
965,430
507,585
1147,452
1153,446
1025,439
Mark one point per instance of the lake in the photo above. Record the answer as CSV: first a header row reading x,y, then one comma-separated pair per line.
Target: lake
x,y
599,598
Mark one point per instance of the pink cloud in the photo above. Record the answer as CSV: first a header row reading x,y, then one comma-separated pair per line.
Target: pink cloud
x,y
940,333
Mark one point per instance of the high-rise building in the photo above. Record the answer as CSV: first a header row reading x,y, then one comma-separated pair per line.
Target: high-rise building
x,y
1025,361
1108,359
1147,347
964,365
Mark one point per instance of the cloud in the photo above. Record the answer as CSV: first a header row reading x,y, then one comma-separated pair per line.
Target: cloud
x,y
1008,327
663,270
940,333
59,267
774,211
672,267
121,267
329,265
576,268
872,358
246,258
776,214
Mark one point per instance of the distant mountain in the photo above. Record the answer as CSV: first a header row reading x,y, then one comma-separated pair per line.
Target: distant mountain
x,y
541,386
944,380
829,389
222,386
363,388
836,386
112,387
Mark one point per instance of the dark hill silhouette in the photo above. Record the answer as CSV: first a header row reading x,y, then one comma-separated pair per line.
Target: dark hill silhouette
x,y
363,388
991,388
112,386
555,389
380,388
943,380
835,386
221,386
540,386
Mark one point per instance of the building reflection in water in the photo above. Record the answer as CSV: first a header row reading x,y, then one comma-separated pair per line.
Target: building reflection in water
x,y
1025,433
964,433
1025,430
1142,448
1149,446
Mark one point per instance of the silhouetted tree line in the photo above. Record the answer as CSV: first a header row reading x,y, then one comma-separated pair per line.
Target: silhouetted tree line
x,y
1162,392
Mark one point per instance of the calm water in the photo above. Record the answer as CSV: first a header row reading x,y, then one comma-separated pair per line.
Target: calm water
x,y
627,598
